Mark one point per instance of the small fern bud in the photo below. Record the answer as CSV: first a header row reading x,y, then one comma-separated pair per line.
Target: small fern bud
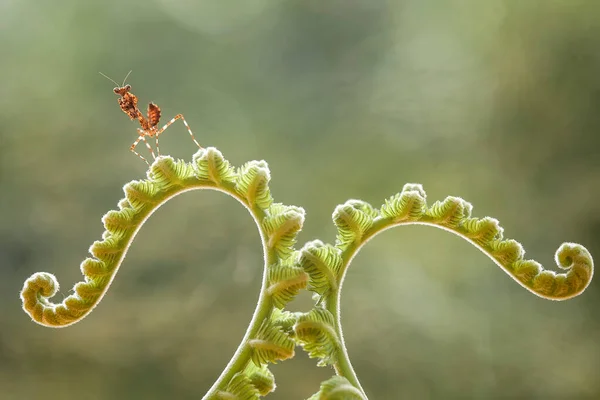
x,y
316,333
352,219
211,166
253,184
239,388
408,205
141,194
451,212
284,283
282,225
482,230
271,344
166,173
261,378
506,251
322,263
120,222
337,388
108,250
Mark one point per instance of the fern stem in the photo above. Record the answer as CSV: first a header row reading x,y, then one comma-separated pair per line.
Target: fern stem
x,y
343,366
264,307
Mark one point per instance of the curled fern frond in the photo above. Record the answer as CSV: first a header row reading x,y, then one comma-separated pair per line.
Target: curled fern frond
x,y
253,184
282,224
352,219
239,388
274,333
316,333
408,205
141,195
451,212
454,214
337,388
211,166
285,320
167,174
268,338
262,379
481,230
284,283
271,345
120,223
322,262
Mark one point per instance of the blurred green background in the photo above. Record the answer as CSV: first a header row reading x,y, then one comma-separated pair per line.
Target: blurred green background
x,y
494,101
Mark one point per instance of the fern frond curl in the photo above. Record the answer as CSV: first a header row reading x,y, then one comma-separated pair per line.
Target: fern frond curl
x,y
253,184
271,345
357,222
284,283
454,214
337,388
211,166
316,333
408,205
322,262
352,219
239,388
266,340
281,225
262,379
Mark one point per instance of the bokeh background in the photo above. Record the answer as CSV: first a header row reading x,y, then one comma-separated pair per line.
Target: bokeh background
x,y
494,101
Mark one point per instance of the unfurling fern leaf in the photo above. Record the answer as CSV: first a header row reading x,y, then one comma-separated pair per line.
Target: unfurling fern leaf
x,y
253,184
316,333
262,379
122,222
141,195
408,205
322,262
239,388
284,283
577,260
337,388
450,212
506,251
282,224
274,333
271,344
285,320
108,250
482,230
211,166
167,173
352,219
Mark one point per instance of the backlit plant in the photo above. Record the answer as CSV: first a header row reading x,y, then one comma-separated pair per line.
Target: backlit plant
x,y
274,333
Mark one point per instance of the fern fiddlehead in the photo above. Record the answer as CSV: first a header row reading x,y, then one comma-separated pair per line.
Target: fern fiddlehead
x,y
357,222
273,333
246,376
